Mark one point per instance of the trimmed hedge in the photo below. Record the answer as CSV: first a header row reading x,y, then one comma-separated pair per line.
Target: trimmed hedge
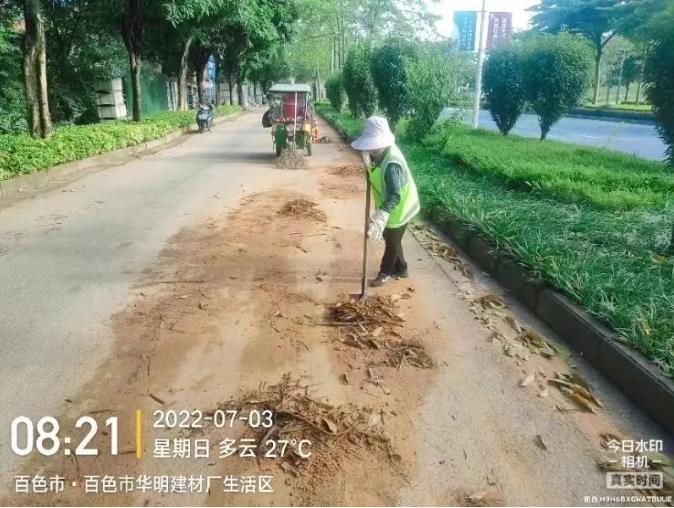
x,y
22,154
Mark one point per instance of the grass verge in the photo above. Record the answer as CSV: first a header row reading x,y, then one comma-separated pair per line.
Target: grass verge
x,y
605,254
22,154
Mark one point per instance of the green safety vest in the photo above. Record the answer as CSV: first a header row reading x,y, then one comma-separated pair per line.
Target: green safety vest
x,y
409,205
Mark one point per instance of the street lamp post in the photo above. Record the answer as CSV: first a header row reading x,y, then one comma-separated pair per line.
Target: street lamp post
x,y
478,75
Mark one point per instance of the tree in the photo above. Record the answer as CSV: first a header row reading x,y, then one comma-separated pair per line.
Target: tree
x,y
434,80
557,70
80,55
659,74
35,70
642,22
389,74
358,82
12,100
503,86
595,20
334,88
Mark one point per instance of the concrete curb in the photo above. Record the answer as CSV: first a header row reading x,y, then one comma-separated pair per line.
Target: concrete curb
x,y
40,179
639,117
623,366
628,369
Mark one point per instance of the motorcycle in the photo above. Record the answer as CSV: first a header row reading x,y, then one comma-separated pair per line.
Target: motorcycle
x,y
204,118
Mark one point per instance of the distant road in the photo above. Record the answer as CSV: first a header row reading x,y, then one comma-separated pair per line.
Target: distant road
x,y
634,138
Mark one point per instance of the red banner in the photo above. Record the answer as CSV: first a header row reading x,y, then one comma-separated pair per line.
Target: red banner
x,y
500,29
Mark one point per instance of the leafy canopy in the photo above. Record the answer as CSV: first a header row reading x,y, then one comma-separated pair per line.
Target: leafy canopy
x,y
504,87
557,70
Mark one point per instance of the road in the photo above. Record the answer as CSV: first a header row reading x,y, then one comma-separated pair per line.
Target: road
x,y
632,138
178,281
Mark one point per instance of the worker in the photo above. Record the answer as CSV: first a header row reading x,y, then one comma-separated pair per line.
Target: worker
x,y
395,195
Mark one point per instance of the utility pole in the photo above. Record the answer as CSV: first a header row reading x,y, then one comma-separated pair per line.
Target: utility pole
x,y
478,75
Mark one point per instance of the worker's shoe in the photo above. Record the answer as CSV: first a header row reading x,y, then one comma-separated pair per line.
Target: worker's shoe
x,y
402,274
382,278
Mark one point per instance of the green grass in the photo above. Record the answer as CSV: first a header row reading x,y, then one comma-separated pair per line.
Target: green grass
x,y
604,255
567,172
342,121
22,154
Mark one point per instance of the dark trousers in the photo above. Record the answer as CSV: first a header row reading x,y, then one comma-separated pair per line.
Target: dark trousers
x,y
393,261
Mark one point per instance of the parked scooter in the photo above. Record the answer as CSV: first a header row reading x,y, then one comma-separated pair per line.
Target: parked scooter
x,y
205,117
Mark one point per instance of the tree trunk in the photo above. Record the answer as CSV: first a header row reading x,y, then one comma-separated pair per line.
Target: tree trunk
x,y
35,71
137,104
642,66
230,83
239,91
608,88
627,91
182,76
218,78
200,61
132,33
597,74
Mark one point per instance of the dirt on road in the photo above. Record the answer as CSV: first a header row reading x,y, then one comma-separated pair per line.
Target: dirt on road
x,y
438,390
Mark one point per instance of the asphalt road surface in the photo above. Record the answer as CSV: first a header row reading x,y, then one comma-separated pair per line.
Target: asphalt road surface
x,y
633,138
182,279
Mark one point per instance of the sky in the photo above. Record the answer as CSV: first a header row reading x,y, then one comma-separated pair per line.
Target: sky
x,y
446,8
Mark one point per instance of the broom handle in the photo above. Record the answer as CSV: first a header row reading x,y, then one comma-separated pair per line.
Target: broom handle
x,y
367,223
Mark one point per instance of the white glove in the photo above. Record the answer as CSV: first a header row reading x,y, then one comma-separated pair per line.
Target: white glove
x,y
367,160
377,224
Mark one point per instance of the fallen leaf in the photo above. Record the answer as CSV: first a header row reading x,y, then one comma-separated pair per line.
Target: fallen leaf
x,y
607,437
540,443
344,379
329,424
513,323
527,380
477,497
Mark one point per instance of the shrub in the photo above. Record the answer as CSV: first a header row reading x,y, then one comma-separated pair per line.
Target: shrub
x,y
334,89
389,74
433,81
557,70
659,73
358,82
21,153
503,86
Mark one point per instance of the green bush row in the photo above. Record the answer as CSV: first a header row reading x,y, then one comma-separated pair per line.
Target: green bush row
x,y
608,260
21,153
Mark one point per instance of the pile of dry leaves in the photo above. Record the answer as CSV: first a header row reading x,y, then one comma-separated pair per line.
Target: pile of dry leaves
x,y
303,207
436,248
291,158
350,170
298,416
375,323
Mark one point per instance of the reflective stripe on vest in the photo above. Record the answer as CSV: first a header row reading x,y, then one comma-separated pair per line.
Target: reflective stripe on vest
x,y
409,205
